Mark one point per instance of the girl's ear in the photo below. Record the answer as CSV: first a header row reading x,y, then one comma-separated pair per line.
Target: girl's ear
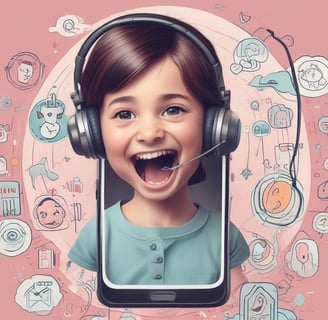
x,y
198,176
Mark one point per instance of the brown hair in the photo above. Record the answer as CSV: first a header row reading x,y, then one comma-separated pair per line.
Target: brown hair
x,y
125,51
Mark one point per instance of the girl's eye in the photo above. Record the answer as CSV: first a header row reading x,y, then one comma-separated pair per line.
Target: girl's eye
x,y
173,111
124,115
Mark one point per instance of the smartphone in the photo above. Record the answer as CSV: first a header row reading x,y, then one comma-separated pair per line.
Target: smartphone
x,y
213,193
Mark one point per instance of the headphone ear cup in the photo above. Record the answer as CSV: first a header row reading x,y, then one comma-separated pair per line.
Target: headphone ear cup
x,y
85,134
223,126
95,133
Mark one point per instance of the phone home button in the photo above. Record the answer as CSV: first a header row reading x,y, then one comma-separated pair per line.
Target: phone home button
x,y
163,296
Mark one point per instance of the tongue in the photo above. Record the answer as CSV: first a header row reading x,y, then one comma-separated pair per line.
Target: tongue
x,y
153,173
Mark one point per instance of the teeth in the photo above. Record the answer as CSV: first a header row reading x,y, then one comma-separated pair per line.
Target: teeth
x,y
152,155
157,183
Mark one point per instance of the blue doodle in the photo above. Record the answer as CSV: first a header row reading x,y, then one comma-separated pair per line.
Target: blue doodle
x,y
249,55
47,121
261,128
283,314
280,81
42,170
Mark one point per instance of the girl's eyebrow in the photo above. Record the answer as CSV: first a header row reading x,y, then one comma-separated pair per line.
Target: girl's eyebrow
x,y
123,99
162,98
170,96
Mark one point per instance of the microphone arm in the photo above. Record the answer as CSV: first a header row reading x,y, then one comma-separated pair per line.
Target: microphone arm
x,y
166,168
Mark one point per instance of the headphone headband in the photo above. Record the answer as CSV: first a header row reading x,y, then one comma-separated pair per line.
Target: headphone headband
x,y
144,18
221,125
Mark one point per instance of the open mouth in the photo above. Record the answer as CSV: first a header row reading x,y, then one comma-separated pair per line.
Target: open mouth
x,y
149,166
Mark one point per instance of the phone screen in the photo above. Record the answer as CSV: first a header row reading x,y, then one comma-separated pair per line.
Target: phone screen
x,y
158,267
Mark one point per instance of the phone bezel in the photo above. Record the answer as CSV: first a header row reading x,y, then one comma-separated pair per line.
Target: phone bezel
x,y
154,296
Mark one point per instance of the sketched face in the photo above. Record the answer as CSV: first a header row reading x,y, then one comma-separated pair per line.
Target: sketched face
x,y
50,213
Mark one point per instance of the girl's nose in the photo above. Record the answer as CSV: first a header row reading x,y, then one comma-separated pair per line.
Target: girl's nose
x,y
150,131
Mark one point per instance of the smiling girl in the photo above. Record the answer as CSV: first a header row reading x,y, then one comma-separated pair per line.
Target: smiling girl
x,y
152,86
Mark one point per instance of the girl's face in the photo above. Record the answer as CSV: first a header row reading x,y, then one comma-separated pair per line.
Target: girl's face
x,y
151,123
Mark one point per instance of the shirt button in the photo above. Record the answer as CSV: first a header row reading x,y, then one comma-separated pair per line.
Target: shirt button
x,y
159,259
157,276
153,246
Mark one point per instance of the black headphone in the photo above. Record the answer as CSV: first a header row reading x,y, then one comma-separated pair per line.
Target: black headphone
x,y
221,125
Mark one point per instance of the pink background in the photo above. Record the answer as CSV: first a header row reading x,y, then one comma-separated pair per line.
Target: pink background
x,y
71,180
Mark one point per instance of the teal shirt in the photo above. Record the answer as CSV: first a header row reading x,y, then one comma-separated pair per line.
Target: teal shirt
x,y
186,254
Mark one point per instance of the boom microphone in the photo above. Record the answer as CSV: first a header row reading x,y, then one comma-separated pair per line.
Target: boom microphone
x,y
166,168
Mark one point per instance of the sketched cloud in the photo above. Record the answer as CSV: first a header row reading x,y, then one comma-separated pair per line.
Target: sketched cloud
x,y
69,26
39,294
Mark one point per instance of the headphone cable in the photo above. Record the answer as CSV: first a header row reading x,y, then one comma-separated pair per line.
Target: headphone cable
x,y
292,164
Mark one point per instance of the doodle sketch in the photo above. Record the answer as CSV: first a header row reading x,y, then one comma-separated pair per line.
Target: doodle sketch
x,y
69,26
50,213
279,184
39,294
24,70
15,237
48,120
